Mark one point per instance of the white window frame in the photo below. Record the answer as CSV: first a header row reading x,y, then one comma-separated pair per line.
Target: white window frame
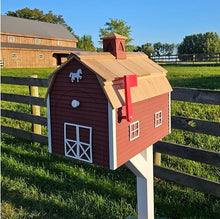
x,y
158,119
37,41
41,56
11,39
14,55
59,43
133,131
75,143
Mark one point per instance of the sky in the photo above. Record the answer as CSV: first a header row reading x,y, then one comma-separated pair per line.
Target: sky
x,y
151,21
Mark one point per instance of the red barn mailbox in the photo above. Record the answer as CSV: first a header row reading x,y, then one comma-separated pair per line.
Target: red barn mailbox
x,y
104,108
108,109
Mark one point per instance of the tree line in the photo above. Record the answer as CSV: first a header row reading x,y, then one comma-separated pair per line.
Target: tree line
x,y
206,43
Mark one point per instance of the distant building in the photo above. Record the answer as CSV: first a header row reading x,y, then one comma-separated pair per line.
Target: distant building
x,y
30,43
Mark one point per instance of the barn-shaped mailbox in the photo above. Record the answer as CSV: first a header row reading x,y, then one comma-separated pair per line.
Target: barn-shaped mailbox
x,y
104,108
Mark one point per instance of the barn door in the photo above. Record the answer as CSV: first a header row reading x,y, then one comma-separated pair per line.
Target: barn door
x,y
78,142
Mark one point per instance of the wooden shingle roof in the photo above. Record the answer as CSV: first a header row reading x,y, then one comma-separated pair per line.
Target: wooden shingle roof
x,y
108,68
23,26
110,72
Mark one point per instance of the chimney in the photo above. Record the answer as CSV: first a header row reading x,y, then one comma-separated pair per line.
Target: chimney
x,y
115,44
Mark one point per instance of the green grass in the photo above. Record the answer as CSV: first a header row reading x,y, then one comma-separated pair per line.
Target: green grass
x,y
25,72
40,185
36,184
204,77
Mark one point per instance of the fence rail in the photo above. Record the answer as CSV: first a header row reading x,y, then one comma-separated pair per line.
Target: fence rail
x,y
182,151
40,82
188,180
196,95
24,117
212,58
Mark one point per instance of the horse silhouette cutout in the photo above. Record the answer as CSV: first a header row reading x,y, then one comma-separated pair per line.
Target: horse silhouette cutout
x,y
76,75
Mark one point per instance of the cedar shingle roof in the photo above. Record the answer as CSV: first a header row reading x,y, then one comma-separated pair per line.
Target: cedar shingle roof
x,y
108,68
23,26
110,71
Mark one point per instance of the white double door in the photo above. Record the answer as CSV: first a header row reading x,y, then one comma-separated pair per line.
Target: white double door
x,y
78,142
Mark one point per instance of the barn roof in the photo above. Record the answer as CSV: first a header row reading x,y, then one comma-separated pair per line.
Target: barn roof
x,y
109,68
110,72
41,47
23,26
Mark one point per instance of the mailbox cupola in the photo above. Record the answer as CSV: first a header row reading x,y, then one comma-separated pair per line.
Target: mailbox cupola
x,y
115,44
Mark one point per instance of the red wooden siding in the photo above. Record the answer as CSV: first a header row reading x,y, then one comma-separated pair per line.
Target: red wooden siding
x,y
143,112
92,112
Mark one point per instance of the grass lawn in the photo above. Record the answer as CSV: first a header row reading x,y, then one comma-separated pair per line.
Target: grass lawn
x,y
204,77
36,184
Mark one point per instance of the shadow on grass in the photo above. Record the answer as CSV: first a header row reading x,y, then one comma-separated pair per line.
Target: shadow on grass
x,y
50,163
47,208
174,201
71,189
82,185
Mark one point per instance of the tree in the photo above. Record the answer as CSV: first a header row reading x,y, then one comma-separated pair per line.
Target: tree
x,y
200,44
163,49
157,48
85,43
168,48
117,26
146,48
36,14
211,43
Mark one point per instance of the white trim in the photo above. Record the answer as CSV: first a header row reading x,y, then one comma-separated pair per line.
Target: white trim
x,y
49,124
169,112
112,137
135,132
70,144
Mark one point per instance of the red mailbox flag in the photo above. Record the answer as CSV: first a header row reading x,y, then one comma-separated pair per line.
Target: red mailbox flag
x,y
129,81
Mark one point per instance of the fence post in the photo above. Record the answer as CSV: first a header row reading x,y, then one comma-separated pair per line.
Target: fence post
x,y
194,58
35,110
157,158
217,58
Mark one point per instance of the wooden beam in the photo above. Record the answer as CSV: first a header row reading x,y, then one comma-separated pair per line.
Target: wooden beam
x,y
23,99
196,125
194,182
24,117
196,95
187,152
24,134
39,82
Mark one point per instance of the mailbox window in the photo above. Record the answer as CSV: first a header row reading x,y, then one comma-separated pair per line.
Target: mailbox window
x,y
158,117
134,130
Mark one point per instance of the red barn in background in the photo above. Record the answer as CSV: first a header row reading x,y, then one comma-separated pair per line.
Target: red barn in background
x,y
104,108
